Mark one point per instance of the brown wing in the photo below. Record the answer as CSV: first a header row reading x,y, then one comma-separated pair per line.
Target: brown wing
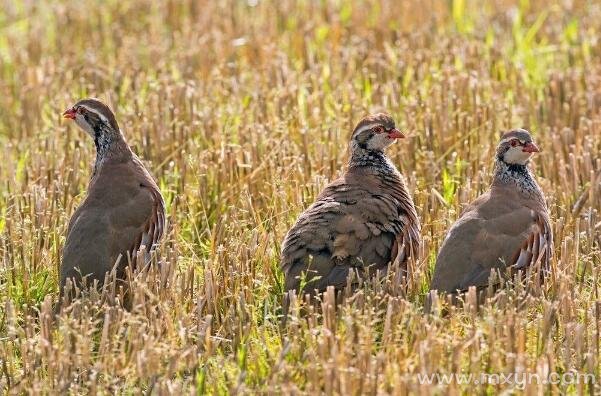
x,y
351,227
537,248
123,210
138,219
407,243
153,229
493,234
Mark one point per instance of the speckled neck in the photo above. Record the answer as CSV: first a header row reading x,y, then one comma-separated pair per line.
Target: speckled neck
x,y
376,159
109,144
519,176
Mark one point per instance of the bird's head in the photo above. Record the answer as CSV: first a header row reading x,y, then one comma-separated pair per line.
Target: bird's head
x,y
375,132
516,147
92,116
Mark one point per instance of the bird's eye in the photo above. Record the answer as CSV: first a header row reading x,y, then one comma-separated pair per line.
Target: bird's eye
x,y
378,129
514,143
81,110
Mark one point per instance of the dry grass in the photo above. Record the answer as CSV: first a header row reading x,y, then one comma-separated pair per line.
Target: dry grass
x,y
243,113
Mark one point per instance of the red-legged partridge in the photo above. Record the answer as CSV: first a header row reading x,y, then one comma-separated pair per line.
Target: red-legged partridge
x,y
507,227
362,222
123,211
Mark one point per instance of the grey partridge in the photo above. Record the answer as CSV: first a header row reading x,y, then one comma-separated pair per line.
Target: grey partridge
x,y
123,212
506,228
361,222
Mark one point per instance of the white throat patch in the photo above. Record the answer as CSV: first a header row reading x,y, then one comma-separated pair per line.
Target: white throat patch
x,y
379,141
517,155
83,124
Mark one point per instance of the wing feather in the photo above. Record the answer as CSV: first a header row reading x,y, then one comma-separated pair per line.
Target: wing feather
x,y
493,234
152,230
351,226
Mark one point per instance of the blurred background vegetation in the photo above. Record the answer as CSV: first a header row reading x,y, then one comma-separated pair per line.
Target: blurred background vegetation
x,y
243,110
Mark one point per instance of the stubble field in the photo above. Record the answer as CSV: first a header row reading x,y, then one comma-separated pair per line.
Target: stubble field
x,y
243,111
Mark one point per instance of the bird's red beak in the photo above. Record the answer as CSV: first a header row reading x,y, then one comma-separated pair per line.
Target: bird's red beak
x,y
396,134
530,148
70,113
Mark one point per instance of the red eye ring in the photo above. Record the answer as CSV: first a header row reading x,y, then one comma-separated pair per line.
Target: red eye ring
x,y
514,143
81,110
378,129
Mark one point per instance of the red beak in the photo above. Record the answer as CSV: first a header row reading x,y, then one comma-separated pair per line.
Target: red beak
x,y
70,113
530,147
396,134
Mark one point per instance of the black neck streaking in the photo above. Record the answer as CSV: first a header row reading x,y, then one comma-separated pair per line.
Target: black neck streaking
x,y
109,143
361,157
103,138
518,175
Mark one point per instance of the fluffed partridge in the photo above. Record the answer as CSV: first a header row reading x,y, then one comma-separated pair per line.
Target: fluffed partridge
x,y
362,222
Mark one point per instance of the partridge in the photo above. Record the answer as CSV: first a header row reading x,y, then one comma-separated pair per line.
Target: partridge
x,y
507,227
123,212
362,222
